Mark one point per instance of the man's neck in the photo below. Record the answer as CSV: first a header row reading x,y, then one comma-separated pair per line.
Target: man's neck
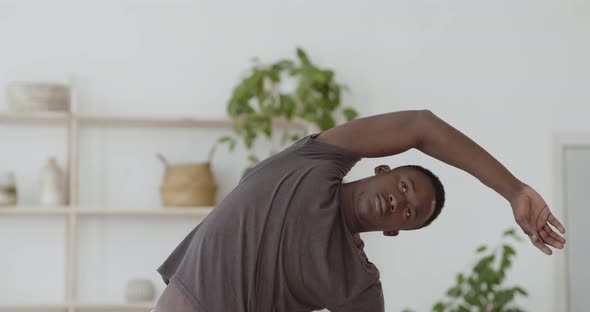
x,y
348,190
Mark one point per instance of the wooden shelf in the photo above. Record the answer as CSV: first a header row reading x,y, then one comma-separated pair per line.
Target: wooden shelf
x,y
157,212
129,121
34,211
35,118
88,307
151,121
34,308
28,211
124,307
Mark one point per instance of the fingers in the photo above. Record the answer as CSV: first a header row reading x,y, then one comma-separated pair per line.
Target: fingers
x,y
544,230
536,240
536,220
545,236
546,216
539,244
553,221
552,233
549,239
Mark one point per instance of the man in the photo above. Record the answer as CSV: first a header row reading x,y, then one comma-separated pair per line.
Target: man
x,y
286,238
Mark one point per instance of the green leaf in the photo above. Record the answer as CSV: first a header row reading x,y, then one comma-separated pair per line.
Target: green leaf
x,y
310,117
481,249
438,307
328,75
506,263
490,276
349,114
286,64
484,263
326,122
303,57
224,139
455,292
287,105
253,158
328,105
334,96
509,232
267,130
229,140
274,73
520,291
472,298
512,233
502,297
463,308
315,104
302,92
249,139
508,250
460,278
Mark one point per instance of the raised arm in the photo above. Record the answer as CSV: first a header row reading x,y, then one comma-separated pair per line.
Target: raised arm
x,y
393,133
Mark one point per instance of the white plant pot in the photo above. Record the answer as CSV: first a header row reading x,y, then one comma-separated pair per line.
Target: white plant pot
x,y
140,290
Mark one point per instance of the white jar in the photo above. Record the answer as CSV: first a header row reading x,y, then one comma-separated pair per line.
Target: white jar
x,y
8,195
140,290
51,184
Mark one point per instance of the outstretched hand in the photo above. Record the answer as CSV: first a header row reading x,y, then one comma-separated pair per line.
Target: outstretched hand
x,y
534,217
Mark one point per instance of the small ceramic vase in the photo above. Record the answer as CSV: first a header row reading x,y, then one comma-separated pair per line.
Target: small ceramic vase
x,y
51,184
140,290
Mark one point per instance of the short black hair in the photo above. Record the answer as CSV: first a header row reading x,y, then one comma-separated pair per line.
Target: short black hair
x,y
439,191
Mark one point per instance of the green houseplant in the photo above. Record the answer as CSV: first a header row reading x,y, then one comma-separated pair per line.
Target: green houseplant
x,y
260,98
482,288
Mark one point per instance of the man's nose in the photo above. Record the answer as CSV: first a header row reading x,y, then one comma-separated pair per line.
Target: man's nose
x,y
395,201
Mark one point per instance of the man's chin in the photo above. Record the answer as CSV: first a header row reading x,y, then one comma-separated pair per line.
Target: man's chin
x,y
367,218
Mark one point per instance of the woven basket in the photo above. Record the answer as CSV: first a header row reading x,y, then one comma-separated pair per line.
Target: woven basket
x,y
37,96
188,185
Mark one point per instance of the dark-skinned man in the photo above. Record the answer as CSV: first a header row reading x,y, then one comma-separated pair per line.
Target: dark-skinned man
x,y
287,237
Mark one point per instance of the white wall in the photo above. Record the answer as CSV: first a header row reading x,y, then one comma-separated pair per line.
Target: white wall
x,y
506,73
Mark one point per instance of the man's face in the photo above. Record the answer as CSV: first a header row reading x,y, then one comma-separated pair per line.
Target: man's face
x,y
394,200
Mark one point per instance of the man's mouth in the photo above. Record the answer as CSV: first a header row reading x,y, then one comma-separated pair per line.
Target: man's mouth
x,y
380,205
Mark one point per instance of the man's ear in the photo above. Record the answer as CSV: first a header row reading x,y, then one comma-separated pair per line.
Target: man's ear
x,y
382,169
391,233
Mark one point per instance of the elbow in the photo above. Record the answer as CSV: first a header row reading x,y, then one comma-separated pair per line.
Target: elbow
x,y
423,125
425,113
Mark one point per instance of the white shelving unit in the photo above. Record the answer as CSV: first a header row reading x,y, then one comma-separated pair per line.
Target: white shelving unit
x,y
74,213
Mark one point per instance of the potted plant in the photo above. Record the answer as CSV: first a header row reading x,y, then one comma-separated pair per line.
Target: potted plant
x,y
261,97
482,289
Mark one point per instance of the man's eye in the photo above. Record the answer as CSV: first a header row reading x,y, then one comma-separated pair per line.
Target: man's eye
x,y
404,187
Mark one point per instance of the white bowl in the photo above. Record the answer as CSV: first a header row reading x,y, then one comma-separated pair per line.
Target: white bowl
x,y
25,96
